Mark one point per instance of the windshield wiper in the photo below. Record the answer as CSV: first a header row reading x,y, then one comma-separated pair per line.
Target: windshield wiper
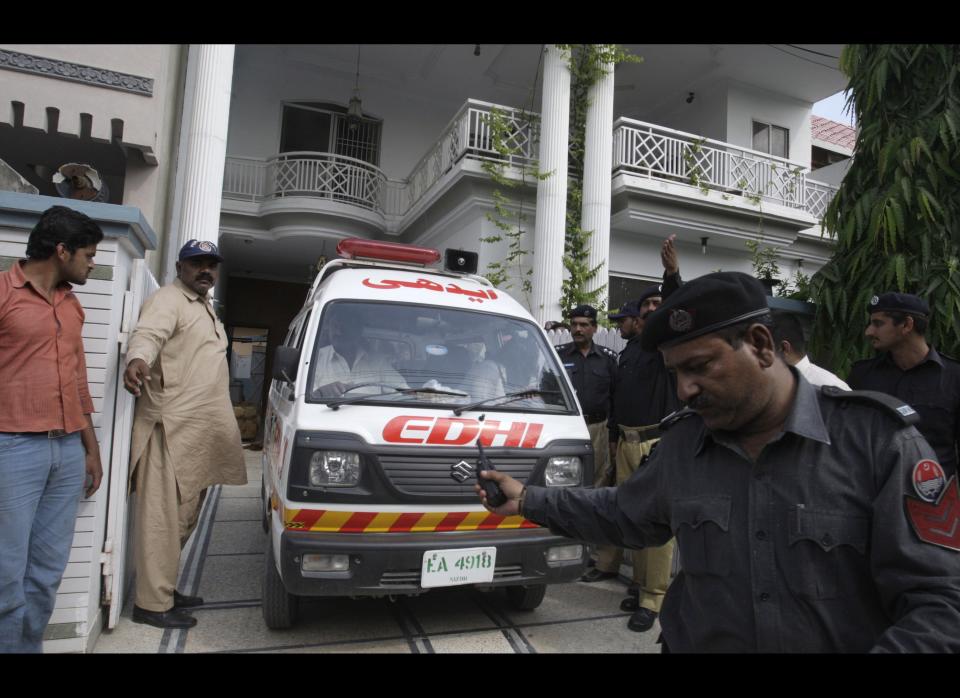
x,y
335,404
508,397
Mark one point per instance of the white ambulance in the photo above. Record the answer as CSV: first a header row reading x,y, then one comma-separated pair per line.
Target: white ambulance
x,y
389,377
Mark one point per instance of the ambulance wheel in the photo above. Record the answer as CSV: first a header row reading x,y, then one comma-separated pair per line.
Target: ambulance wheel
x,y
279,606
526,598
265,508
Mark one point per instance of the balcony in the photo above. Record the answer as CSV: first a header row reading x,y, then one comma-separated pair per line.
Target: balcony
x,y
641,150
819,196
318,175
350,181
661,153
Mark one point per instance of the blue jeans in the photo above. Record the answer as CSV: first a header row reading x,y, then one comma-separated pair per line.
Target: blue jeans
x,y
41,482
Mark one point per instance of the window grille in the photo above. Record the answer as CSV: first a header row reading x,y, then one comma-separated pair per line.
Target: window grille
x,y
327,131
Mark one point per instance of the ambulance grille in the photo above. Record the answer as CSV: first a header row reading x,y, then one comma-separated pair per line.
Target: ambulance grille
x,y
430,475
411,578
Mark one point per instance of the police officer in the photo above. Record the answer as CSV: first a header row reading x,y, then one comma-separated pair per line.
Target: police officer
x,y
644,395
806,519
913,371
593,372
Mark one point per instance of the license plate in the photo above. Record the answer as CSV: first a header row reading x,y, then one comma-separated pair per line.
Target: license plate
x,y
447,568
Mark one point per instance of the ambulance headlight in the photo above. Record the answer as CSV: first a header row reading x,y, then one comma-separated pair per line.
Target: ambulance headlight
x,y
564,471
334,469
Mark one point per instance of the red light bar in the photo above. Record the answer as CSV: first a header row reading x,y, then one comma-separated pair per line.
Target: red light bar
x,y
355,248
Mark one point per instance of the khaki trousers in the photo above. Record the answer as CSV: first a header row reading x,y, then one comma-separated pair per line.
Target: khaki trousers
x,y
163,523
651,566
600,439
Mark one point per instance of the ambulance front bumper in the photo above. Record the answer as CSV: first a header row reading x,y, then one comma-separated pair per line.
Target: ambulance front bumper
x,y
390,563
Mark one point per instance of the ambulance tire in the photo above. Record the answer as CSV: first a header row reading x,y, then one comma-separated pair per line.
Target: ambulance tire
x,y
526,598
279,606
265,519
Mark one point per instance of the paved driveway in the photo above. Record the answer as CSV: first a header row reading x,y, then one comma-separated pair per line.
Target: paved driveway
x,y
224,564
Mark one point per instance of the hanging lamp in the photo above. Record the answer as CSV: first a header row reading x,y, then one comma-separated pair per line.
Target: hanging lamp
x,y
354,111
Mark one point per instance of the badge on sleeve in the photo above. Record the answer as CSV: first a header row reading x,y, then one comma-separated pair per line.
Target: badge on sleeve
x,y
935,516
928,480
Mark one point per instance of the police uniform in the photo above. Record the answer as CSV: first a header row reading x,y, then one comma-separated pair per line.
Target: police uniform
x,y
932,387
593,377
645,394
830,541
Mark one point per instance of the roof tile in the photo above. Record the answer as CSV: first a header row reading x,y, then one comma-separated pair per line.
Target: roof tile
x,y
833,132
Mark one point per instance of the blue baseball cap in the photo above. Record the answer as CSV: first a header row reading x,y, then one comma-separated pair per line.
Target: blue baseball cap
x,y
199,248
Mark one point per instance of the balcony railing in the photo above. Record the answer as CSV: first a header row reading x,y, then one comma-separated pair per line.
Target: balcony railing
x,y
317,175
662,153
639,148
819,196
330,176
468,134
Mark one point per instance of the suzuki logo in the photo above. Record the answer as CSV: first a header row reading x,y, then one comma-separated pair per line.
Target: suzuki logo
x,y
447,431
461,472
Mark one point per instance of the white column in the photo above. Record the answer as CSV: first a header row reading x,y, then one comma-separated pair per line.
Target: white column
x,y
552,191
597,162
199,190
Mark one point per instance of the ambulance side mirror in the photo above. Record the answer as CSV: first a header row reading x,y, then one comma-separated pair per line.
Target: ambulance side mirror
x,y
285,363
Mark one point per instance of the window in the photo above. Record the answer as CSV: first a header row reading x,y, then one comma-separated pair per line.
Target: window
x,y
771,139
387,351
623,289
322,128
821,157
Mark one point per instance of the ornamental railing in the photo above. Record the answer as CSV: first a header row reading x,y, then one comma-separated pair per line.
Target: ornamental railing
x,y
317,175
326,175
639,148
469,135
819,196
662,153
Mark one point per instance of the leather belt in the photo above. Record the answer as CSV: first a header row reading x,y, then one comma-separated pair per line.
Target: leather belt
x,y
635,435
52,434
594,418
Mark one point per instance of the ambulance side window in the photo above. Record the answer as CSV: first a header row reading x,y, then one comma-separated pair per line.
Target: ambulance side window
x,y
296,332
302,331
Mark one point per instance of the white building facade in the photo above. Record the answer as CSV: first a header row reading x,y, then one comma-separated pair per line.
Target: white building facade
x,y
256,147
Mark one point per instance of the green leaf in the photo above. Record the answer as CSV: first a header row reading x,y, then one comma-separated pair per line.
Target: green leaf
x,y
952,124
901,270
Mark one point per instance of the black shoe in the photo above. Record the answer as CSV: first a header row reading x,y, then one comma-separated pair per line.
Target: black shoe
x,y
596,574
630,604
184,601
642,620
164,619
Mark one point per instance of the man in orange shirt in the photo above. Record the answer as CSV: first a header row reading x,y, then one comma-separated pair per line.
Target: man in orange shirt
x,y
47,441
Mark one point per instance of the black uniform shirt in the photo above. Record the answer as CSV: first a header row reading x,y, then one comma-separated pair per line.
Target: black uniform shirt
x,y
806,550
932,388
646,391
593,377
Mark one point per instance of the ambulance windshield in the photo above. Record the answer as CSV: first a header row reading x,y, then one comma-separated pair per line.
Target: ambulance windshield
x,y
456,357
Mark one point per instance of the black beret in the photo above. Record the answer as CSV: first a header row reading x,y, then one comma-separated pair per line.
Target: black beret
x,y
704,305
655,290
587,311
632,308
899,302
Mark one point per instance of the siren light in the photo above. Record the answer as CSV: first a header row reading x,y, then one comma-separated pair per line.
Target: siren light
x,y
358,248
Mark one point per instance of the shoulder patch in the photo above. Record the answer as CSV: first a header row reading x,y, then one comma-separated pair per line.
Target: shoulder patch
x,y
936,522
608,351
889,404
675,417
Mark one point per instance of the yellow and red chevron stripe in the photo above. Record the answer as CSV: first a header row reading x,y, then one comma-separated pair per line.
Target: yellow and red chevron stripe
x,y
398,522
